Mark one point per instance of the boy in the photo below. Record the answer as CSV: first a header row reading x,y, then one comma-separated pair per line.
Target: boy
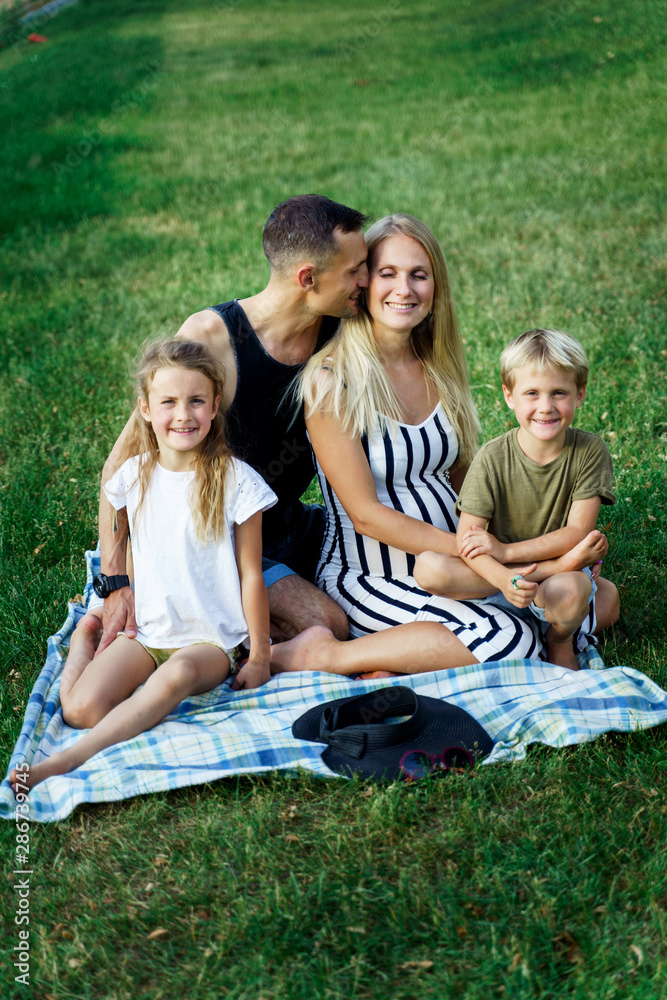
x,y
531,498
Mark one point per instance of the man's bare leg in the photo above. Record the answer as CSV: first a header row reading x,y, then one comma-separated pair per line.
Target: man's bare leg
x,y
414,648
295,605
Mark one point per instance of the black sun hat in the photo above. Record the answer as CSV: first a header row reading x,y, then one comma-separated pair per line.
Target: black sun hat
x,y
360,741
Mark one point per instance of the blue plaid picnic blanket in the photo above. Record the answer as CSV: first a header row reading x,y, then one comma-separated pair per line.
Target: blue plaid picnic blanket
x,y
222,732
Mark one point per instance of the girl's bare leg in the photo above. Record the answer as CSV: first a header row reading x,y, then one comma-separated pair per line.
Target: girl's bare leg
x,y
81,651
410,649
105,681
189,671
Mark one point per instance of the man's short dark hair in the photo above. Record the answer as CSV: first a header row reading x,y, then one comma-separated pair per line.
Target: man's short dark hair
x,y
302,228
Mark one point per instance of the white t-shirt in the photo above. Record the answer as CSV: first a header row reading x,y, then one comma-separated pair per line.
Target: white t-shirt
x,y
186,590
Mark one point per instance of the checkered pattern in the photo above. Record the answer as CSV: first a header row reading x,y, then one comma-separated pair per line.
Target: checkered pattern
x,y
223,732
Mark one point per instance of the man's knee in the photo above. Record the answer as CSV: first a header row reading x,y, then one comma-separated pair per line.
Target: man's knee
x,y
295,605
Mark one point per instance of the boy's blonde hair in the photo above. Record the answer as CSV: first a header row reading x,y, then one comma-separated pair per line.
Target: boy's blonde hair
x,y
357,389
207,492
541,350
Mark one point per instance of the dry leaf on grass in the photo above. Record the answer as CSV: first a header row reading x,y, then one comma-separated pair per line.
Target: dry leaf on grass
x,y
157,933
638,953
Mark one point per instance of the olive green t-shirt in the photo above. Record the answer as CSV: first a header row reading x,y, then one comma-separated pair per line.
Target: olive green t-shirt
x,y
521,499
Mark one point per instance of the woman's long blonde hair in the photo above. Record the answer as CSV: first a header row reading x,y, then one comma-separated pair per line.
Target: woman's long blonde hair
x,y
357,390
207,492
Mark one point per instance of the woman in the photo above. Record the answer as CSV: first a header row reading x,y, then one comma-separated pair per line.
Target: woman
x,y
393,427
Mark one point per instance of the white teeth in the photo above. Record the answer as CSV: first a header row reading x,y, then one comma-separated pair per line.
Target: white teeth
x,y
397,305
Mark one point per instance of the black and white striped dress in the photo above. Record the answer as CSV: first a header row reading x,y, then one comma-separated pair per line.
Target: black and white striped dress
x,y
373,582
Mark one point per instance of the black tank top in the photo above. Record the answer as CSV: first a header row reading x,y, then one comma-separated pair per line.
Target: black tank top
x,y
261,426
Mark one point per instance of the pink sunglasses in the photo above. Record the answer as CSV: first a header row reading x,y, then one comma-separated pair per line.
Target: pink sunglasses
x,y
419,763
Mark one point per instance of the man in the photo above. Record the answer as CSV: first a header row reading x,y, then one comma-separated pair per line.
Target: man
x,y
317,256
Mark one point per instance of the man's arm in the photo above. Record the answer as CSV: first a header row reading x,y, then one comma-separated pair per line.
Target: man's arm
x,y
118,611
208,328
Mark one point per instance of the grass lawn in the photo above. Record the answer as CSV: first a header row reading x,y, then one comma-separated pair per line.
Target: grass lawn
x,y
143,147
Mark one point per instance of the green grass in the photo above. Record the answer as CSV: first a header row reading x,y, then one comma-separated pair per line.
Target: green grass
x,y
143,147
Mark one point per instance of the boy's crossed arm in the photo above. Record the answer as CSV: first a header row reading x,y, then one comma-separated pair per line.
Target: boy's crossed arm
x,y
528,563
572,547
518,590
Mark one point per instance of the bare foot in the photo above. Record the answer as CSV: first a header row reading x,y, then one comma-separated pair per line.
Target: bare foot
x,y
562,653
590,550
374,675
307,651
23,781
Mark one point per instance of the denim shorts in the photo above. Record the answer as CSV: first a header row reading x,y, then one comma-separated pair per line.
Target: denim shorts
x,y
500,601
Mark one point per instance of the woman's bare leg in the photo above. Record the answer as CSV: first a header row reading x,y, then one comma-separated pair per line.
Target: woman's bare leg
x,y
189,671
410,649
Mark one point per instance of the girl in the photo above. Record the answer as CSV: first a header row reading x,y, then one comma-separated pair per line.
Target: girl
x,y
195,519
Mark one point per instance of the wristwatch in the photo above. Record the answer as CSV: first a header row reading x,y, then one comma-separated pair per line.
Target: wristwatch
x,y
104,585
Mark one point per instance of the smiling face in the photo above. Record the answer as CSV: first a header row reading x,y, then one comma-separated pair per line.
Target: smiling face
x,y
339,286
545,404
180,407
401,284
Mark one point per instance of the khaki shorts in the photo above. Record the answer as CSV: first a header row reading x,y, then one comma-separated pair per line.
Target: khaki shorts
x,y
160,656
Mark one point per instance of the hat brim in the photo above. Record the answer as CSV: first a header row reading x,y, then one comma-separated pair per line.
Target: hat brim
x,y
433,726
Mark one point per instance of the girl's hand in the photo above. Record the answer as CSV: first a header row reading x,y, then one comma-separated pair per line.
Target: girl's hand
x,y
518,591
479,542
252,674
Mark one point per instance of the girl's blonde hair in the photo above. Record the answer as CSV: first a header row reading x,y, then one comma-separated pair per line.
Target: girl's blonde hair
x,y
357,390
207,492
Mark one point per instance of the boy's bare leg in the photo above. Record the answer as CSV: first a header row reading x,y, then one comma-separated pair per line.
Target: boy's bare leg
x,y
295,605
414,648
81,651
449,576
607,604
564,598
189,671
